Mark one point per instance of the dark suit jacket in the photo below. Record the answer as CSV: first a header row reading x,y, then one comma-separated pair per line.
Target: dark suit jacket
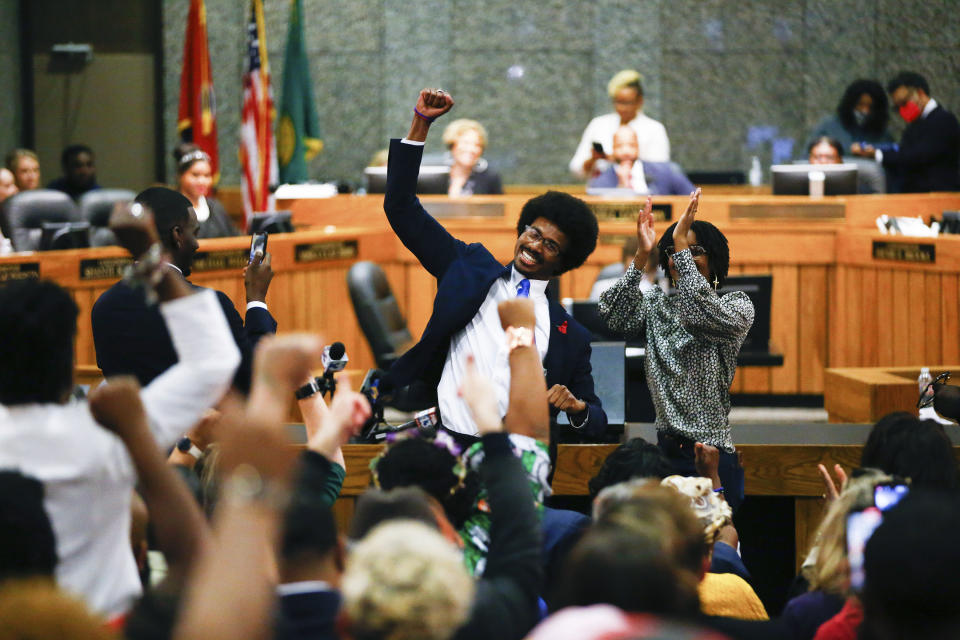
x,y
483,182
464,274
662,180
219,224
929,154
132,338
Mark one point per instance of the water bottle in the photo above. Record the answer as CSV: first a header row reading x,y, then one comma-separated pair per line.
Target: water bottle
x,y
756,173
923,382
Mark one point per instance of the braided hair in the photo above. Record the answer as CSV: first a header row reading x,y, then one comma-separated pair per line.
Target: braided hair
x,y
708,237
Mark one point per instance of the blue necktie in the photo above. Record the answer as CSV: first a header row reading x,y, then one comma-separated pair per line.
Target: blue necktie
x,y
523,288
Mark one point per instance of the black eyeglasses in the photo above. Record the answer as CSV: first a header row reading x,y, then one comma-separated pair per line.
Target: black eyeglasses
x,y
695,250
930,391
549,246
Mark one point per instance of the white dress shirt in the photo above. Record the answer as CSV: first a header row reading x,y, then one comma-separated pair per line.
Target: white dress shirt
x,y
86,471
651,136
484,338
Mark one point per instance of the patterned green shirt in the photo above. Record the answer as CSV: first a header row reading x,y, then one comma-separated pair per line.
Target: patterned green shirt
x,y
693,338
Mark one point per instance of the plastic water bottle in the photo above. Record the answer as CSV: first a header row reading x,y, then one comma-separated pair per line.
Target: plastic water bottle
x,y
923,381
756,173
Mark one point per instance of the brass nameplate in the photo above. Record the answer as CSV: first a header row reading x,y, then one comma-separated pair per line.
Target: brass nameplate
x,y
628,211
905,251
334,250
461,209
21,271
103,268
812,211
220,260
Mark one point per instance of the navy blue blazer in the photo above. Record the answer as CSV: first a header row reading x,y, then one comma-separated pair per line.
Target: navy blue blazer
x,y
662,180
464,273
132,339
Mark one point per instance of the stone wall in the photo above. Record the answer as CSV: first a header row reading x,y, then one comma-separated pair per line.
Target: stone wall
x,y
729,78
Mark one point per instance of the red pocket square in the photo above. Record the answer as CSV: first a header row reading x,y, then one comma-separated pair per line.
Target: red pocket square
x,y
562,328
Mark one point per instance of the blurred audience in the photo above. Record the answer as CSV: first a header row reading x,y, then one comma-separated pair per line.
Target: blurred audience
x,y
628,171
862,116
195,180
8,184
25,167
79,171
626,91
469,171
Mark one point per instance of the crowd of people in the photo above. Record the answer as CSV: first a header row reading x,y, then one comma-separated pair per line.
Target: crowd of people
x,y
169,502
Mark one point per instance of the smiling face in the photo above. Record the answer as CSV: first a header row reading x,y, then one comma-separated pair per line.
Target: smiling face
x,y
538,253
467,149
27,173
196,180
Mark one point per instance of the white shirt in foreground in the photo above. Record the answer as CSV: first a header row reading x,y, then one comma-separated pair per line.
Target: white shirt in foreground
x,y
86,471
484,338
651,135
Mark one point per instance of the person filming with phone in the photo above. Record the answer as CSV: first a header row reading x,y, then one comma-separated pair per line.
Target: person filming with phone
x,y
128,333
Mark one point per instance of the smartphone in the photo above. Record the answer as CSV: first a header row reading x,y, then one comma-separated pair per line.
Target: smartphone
x,y
599,148
887,495
860,526
258,243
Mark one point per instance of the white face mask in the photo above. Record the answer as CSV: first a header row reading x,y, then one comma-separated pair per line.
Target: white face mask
x,y
860,117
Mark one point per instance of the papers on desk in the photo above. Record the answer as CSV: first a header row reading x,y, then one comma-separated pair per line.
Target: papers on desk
x,y
302,191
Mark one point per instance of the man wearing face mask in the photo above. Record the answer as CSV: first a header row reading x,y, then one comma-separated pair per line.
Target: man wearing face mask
x,y
929,155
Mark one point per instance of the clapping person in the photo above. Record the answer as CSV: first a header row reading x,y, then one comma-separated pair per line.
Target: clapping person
x,y
693,339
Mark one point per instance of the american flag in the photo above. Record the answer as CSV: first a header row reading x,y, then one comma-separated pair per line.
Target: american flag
x,y
258,150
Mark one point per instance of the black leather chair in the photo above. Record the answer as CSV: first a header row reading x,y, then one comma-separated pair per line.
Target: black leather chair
x,y
95,208
378,312
23,216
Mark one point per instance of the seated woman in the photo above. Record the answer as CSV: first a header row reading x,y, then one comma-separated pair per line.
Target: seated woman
x,y
693,339
626,91
194,180
25,167
628,172
827,150
469,171
861,116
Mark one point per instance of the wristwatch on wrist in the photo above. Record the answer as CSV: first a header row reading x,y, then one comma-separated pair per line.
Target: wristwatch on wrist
x,y
185,445
307,390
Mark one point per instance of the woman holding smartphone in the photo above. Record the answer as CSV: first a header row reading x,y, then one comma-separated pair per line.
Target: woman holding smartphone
x,y
693,337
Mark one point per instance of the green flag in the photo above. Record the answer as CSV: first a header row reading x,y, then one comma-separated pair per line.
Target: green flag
x,y
298,134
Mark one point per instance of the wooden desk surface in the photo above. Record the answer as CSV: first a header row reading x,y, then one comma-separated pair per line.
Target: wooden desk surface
x,y
866,394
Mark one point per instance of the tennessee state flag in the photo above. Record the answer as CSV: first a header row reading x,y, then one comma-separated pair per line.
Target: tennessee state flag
x,y
258,149
197,116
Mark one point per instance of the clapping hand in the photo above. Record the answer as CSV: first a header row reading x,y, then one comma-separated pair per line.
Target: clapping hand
x,y
832,490
686,222
280,365
646,234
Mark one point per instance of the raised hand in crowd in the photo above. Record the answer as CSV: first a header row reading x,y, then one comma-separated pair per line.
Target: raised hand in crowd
x,y
178,524
280,365
134,228
479,394
528,414
706,460
328,429
231,591
257,276
832,489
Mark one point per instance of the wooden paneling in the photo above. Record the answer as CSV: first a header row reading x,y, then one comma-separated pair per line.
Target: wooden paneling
x,y
833,304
